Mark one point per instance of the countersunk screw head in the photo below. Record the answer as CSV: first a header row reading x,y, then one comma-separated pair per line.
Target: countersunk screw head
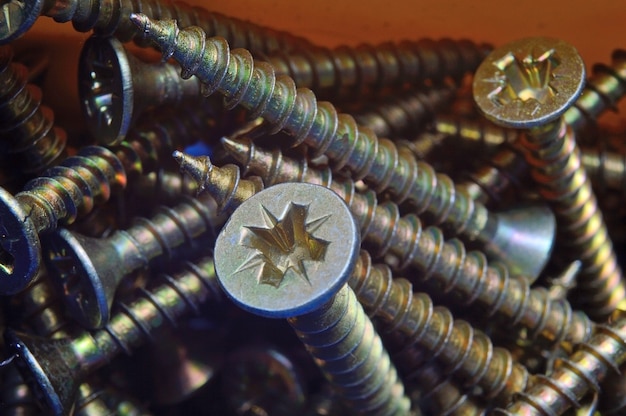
x,y
16,17
287,250
20,247
106,88
529,82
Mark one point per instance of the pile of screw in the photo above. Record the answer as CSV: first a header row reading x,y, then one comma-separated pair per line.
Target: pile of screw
x,y
440,239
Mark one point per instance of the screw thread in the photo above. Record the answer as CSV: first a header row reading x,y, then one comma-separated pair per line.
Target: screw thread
x,y
423,145
575,376
72,188
606,169
555,164
406,115
483,134
463,350
96,401
223,184
349,351
603,90
384,232
27,127
68,360
335,72
318,124
109,17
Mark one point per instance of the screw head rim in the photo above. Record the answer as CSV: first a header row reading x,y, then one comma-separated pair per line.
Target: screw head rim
x,y
567,80
111,53
20,239
294,296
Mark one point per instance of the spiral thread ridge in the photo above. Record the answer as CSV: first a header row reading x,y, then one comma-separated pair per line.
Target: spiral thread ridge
x,y
575,376
336,72
298,113
110,18
455,343
384,232
602,91
406,115
27,128
72,188
362,371
556,167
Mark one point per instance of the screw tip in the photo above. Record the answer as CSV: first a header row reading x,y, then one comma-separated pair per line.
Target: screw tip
x,y
141,21
238,148
197,167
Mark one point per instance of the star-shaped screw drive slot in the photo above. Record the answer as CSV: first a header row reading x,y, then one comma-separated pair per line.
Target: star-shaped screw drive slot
x,y
284,245
525,79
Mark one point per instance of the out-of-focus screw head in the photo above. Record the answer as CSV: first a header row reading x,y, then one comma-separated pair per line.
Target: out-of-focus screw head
x,y
106,87
16,17
19,245
529,82
287,250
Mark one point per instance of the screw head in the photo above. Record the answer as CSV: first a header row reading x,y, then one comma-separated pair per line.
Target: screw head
x,y
287,250
16,17
105,88
20,248
529,82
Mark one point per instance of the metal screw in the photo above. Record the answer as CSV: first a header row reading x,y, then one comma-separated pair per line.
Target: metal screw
x,y
346,71
107,18
115,87
405,115
87,271
58,196
55,368
29,137
298,113
575,376
384,231
287,252
602,91
466,351
529,84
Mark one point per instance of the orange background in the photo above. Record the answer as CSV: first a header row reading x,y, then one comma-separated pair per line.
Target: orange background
x,y
595,28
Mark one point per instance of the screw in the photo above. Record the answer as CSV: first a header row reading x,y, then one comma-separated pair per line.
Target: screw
x,y
88,270
603,90
384,231
319,126
407,114
28,130
115,87
287,252
529,84
108,18
346,71
96,401
59,196
575,376
54,368
462,349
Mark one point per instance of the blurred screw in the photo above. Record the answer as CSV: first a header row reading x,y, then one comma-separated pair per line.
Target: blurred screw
x,y
29,138
115,88
55,368
58,196
287,252
529,84
575,376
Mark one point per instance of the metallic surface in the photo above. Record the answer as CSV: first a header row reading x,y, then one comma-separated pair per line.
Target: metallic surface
x,y
317,124
115,88
575,376
530,84
448,263
55,368
29,140
88,271
60,195
287,252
